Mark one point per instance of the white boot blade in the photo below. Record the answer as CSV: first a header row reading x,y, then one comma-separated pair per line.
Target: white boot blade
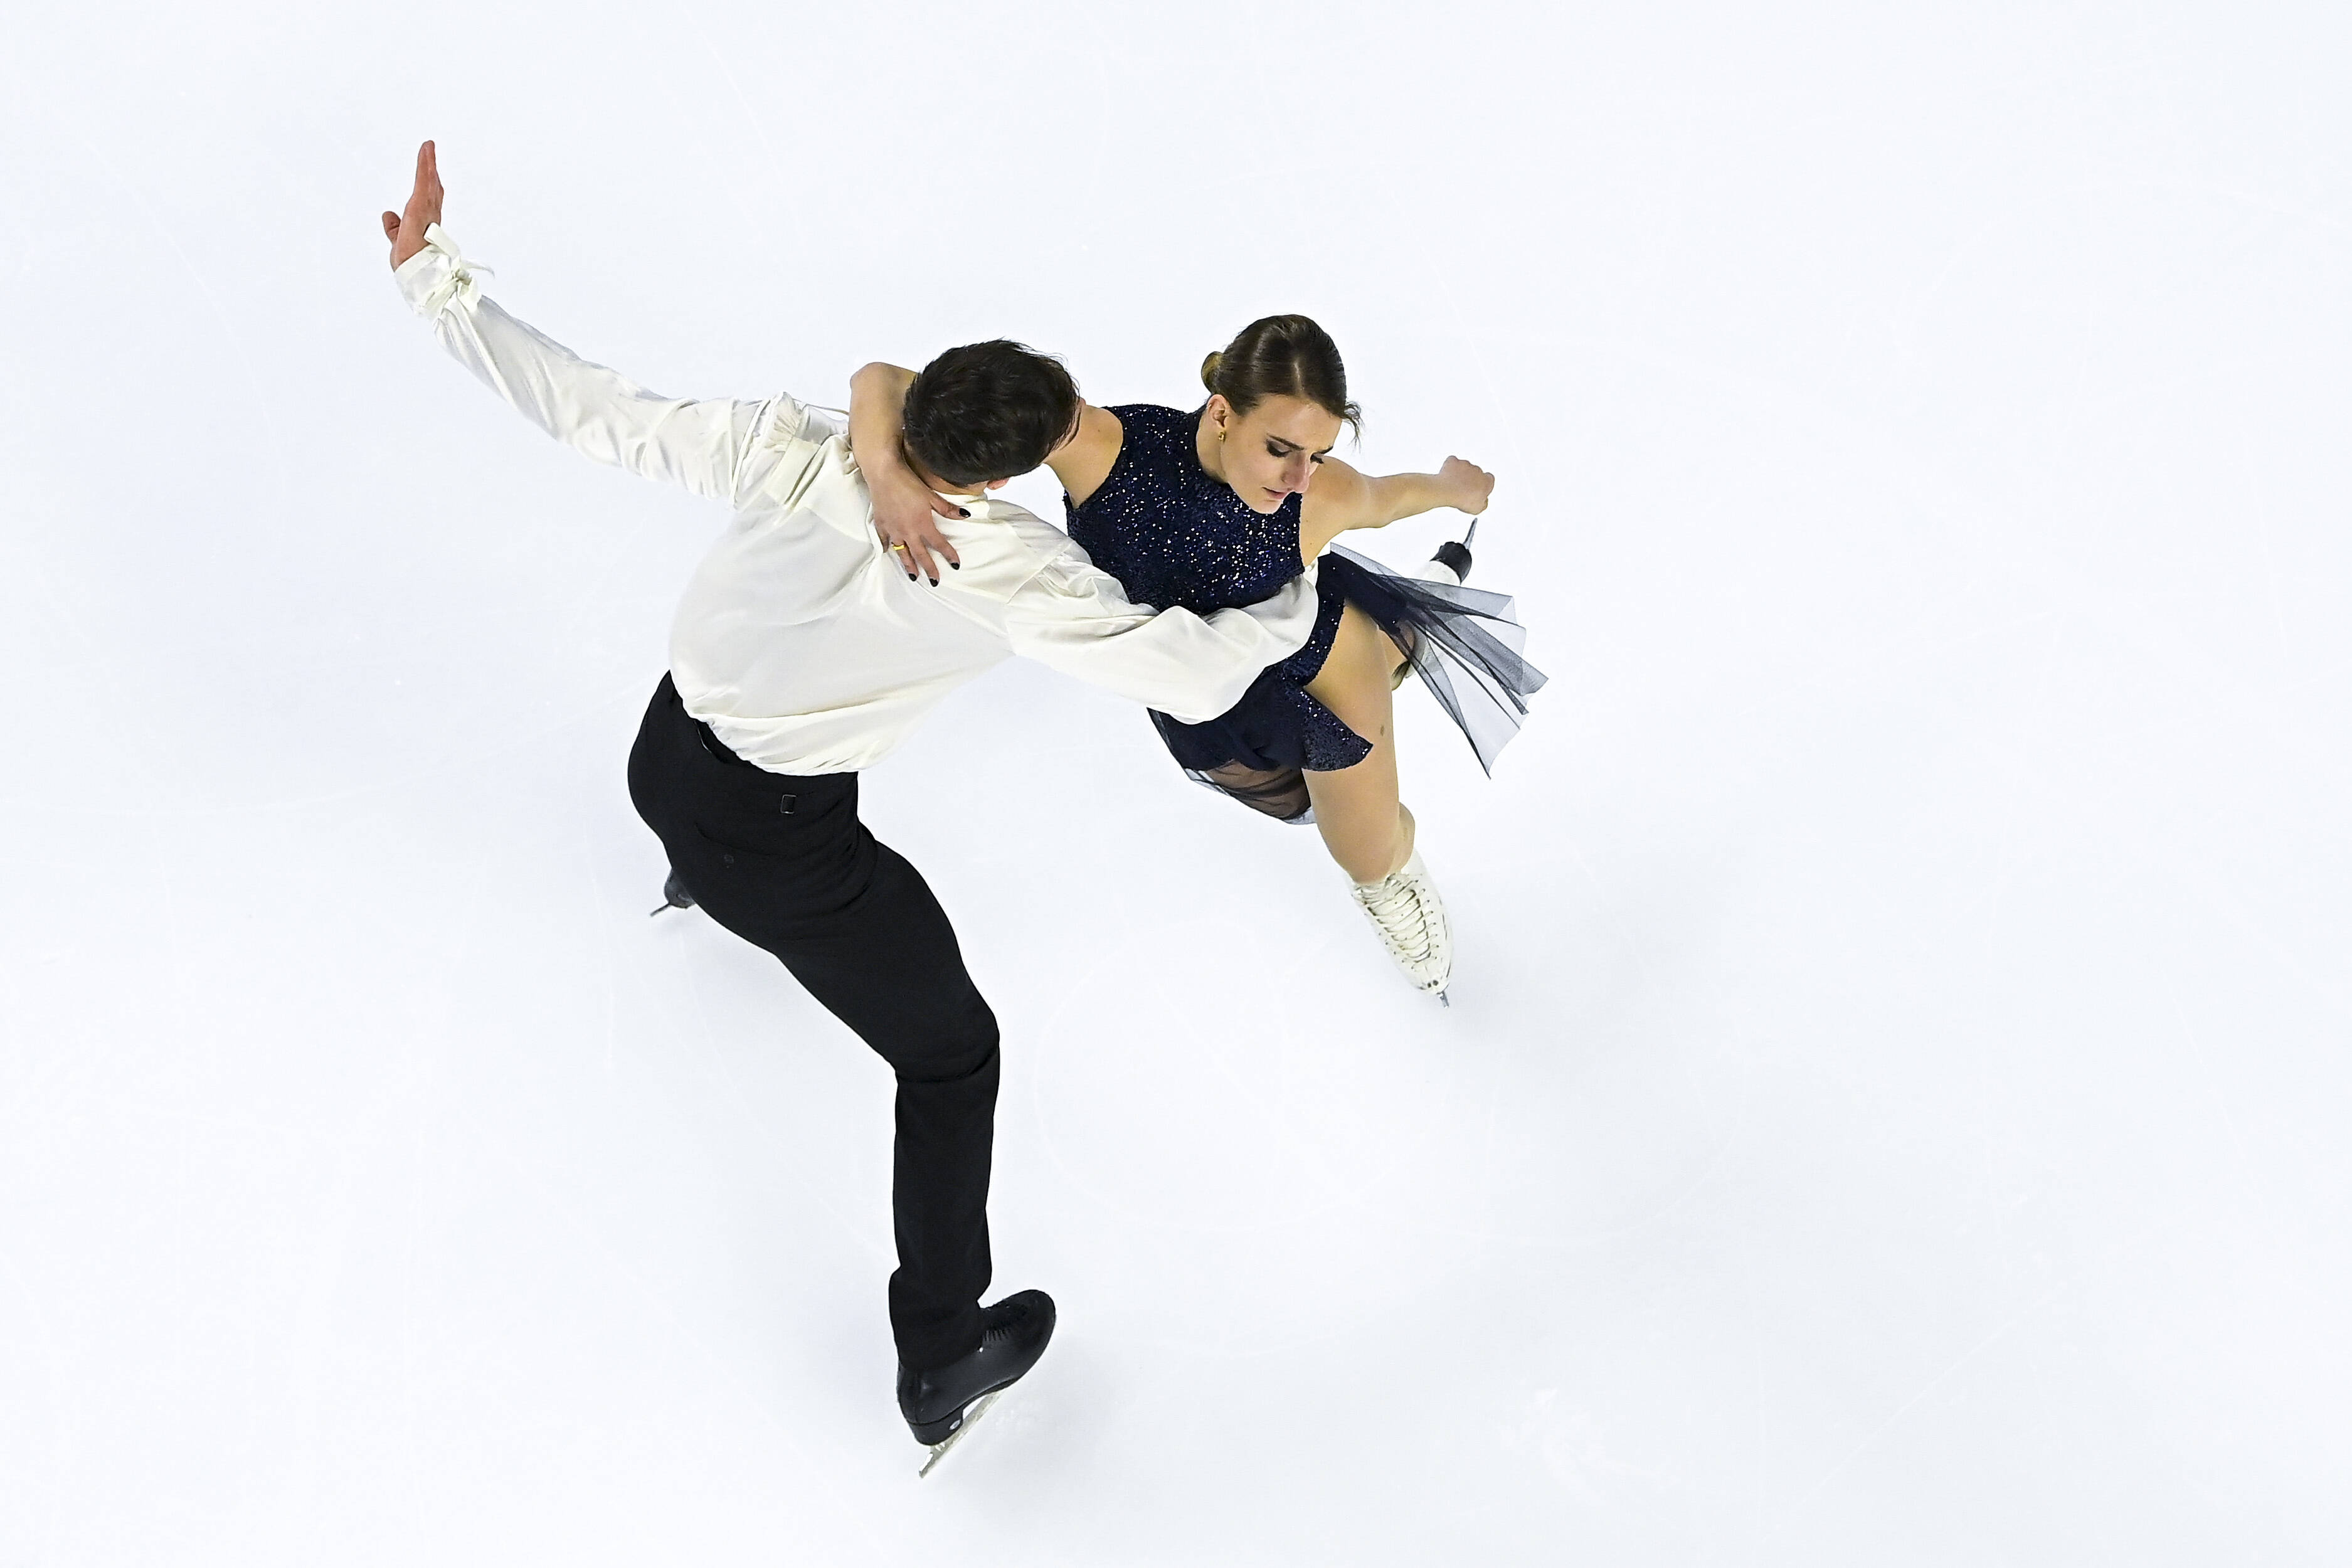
x,y
971,1414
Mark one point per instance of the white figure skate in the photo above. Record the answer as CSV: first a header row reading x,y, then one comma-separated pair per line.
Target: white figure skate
x,y
1404,908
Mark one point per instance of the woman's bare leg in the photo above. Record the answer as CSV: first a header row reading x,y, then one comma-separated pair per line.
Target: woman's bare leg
x,y
1365,827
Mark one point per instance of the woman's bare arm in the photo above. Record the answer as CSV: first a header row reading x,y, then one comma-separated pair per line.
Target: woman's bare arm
x,y
1340,498
904,507
905,510
1084,461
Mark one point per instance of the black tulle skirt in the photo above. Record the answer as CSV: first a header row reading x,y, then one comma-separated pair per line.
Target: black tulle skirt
x,y
1462,642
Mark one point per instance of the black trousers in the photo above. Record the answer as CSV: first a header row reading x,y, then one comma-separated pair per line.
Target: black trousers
x,y
783,863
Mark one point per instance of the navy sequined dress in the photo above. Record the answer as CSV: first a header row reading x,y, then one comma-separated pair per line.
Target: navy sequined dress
x,y
1173,534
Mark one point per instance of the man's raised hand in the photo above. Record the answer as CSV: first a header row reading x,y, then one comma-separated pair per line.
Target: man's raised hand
x,y
406,229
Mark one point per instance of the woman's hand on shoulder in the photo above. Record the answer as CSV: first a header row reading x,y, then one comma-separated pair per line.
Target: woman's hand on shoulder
x,y
906,514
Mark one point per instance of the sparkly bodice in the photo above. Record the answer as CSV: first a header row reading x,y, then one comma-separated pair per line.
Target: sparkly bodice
x,y
1173,536
1171,533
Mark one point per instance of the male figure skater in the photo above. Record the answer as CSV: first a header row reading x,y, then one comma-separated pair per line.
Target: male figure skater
x,y
802,652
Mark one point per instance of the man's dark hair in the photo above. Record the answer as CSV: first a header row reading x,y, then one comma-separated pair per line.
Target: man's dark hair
x,y
989,411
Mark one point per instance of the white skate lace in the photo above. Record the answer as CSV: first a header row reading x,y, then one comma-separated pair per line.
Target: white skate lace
x,y
1394,903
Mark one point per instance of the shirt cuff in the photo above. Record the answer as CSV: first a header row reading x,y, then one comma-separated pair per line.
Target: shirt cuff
x,y
438,274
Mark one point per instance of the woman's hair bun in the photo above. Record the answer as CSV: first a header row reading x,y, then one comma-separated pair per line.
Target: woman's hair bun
x,y
1282,356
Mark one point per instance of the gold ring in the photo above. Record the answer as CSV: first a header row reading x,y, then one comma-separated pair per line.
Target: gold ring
x,y
897,547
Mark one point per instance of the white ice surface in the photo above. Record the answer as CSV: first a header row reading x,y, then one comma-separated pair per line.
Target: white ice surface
x,y
1895,1106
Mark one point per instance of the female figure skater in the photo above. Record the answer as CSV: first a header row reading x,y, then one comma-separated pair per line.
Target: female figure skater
x,y
1215,507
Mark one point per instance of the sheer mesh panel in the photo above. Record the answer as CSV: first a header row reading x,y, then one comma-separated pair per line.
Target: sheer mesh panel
x,y
1449,632
1462,642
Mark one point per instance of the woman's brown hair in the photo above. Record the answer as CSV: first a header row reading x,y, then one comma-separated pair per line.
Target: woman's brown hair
x,y
1282,356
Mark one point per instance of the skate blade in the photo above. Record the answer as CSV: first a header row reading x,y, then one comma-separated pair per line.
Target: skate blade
x,y
972,1413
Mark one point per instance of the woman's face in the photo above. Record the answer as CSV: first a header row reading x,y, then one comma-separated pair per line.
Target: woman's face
x,y
1271,453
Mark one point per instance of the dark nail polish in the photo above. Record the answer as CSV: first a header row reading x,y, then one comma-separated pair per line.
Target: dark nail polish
x,y
934,582
955,565
963,512
910,577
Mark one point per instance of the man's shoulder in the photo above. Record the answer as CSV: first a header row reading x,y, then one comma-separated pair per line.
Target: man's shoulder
x,y
818,423
1003,528
1005,549
799,459
1033,533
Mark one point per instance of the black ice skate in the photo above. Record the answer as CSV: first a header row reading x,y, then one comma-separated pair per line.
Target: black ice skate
x,y
1451,567
1453,555
674,895
941,1406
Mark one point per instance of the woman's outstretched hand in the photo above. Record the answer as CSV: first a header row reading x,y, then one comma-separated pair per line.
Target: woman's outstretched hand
x,y
407,229
1467,485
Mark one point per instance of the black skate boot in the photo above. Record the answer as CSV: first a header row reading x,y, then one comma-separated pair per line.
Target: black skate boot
x,y
1449,567
940,1405
674,895
1455,556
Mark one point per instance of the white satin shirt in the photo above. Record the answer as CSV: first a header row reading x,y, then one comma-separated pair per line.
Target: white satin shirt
x,y
799,640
